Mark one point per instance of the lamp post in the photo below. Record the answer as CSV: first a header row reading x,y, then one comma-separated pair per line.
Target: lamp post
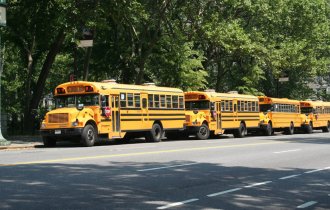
x,y
3,22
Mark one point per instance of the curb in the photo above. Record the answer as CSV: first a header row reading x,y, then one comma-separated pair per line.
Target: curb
x,y
26,146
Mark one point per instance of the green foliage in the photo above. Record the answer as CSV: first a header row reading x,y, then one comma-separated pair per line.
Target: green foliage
x,y
225,45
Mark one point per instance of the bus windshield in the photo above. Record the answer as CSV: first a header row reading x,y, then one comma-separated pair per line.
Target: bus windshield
x,y
74,100
306,110
266,107
199,105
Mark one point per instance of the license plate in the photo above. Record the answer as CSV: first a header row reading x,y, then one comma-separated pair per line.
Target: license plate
x,y
57,131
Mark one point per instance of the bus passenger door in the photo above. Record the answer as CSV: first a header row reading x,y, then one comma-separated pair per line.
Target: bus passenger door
x,y
218,111
115,116
144,108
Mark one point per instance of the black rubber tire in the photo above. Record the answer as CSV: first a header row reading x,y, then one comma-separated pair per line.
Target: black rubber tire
x,y
290,129
309,128
88,136
48,141
326,129
240,132
268,130
203,132
155,134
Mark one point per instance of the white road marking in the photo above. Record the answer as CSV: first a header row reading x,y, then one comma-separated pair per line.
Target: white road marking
x,y
289,177
178,203
223,192
257,184
164,167
308,204
313,171
293,150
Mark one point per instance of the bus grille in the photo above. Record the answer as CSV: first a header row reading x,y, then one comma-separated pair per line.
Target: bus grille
x,y
58,118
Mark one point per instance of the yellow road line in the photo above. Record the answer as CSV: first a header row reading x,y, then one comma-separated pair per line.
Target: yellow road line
x,y
134,154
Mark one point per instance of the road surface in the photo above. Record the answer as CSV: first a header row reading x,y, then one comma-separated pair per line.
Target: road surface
x,y
257,172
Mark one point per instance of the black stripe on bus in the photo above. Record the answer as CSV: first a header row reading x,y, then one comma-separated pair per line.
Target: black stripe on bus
x,y
162,119
142,130
167,114
106,120
180,109
132,114
241,119
130,119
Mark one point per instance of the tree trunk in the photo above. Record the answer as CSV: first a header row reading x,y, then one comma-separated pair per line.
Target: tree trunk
x,y
86,63
37,94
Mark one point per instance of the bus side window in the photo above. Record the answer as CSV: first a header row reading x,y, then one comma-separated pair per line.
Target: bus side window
x,y
122,99
137,100
144,103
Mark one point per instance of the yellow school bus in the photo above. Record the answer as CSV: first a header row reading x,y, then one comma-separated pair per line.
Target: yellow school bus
x,y
283,115
88,110
318,112
217,113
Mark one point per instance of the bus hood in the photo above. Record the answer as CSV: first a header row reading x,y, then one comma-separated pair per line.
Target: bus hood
x,y
68,115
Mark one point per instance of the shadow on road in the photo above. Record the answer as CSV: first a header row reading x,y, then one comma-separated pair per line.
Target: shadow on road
x,y
120,185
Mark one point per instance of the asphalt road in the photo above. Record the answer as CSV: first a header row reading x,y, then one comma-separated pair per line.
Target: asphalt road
x,y
278,172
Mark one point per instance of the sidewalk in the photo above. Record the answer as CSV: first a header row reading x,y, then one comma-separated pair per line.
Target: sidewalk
x,y
22,142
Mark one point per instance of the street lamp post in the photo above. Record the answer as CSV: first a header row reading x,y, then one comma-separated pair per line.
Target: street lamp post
x,y
3,22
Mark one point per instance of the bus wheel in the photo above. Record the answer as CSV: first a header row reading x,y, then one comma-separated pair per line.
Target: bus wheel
x,y
48,141
156,133
88,136
240,132
203,132
309,128
290,129
268,130
326,129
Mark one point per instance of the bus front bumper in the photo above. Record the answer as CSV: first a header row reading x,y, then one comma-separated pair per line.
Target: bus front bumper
x,y
61,132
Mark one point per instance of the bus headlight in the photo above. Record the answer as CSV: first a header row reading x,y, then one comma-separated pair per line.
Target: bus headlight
x,y
75,124
43,125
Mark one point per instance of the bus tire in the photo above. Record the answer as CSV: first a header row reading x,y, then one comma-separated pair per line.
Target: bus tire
x,y
326,129
203,132
88,136
240,132
48,141
309,128
155,134
268,130
290,129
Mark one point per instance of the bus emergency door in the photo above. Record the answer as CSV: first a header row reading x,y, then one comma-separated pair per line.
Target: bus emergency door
x,y
115,115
